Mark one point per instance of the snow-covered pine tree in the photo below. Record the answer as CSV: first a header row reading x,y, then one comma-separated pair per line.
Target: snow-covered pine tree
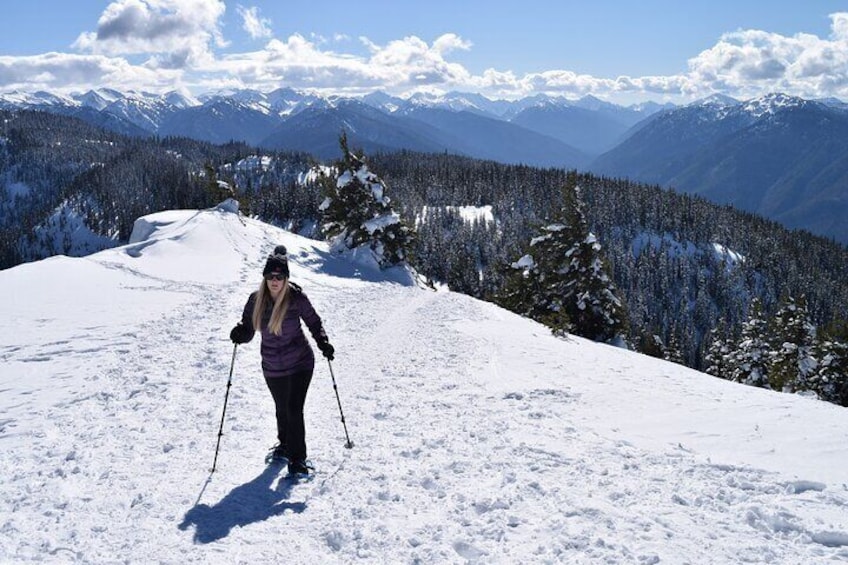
x,y
533,287
589,294
749,361
673,351
717,357
830,380
357,213
563,281
791,338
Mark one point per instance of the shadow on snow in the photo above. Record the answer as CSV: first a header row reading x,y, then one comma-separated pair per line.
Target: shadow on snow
x,y
354,264
249,503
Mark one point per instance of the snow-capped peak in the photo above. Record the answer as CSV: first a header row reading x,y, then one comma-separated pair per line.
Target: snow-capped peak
x,y
590,102
33,99
97,98
719,100
772,103
384,101
248,98
180,98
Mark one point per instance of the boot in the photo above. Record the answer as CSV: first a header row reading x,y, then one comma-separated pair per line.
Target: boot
x,y
300,467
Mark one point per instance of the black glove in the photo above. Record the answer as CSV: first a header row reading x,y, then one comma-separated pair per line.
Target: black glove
x,y
326,349
240,334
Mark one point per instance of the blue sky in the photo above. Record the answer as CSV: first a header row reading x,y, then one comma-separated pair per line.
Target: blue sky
x,y
623,51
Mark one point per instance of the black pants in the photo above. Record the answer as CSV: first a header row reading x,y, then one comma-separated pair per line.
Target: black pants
x,y
289,396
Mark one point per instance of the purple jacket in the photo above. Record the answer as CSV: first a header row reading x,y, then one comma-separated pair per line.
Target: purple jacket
x,y
288,353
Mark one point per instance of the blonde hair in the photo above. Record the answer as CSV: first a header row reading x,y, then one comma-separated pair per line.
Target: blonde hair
x,y
281,305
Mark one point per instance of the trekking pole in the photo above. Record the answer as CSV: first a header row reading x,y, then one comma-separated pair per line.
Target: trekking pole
x,y
226,397
348,444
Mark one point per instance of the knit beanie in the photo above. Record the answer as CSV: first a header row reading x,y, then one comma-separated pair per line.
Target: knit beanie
x,y
277,262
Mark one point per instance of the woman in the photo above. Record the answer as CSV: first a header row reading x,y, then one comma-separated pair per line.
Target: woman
x,y
287,360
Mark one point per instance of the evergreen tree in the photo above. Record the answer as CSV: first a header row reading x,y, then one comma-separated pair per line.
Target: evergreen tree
x,y
792,338
717,359
651,344
219,190
673,352
533,287
830,379
563,281
749,361
589,295
357,213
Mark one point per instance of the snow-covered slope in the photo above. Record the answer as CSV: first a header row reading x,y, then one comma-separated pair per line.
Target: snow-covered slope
x,y
479,437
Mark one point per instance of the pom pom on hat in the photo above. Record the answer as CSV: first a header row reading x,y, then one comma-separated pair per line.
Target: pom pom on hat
x,y
277,262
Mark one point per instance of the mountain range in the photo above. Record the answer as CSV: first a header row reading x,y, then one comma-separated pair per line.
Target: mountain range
x,y
539,130
779,156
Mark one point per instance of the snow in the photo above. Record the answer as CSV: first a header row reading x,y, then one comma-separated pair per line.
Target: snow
x,y
674,247
67,231
470,214
677,248
480,437
770,104
526,262
732,257
367,179
252,163
314,174
381,222
539,239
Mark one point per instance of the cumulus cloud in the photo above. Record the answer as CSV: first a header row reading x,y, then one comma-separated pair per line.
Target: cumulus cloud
x,y
753,61
399,65
450,42
170,32
839,26
256,27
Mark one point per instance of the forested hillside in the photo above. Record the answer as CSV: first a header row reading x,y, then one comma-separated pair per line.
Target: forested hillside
x,y
684,265
72,188
778,156
687,270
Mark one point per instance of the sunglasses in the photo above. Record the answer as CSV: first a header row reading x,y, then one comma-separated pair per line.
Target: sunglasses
x,y
275,277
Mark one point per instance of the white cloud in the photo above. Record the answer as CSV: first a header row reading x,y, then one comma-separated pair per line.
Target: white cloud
x,y
155,42
752,61
450,42
399,65
170,32
839,26
62,71
256,27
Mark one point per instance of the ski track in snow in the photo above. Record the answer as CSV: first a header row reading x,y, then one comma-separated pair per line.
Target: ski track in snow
x,y
456,461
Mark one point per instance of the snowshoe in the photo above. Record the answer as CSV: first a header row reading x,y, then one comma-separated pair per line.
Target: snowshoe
x,y
277,455
300,469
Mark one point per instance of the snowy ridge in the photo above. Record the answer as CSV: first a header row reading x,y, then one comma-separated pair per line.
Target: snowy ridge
x,y
480,438
771,104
